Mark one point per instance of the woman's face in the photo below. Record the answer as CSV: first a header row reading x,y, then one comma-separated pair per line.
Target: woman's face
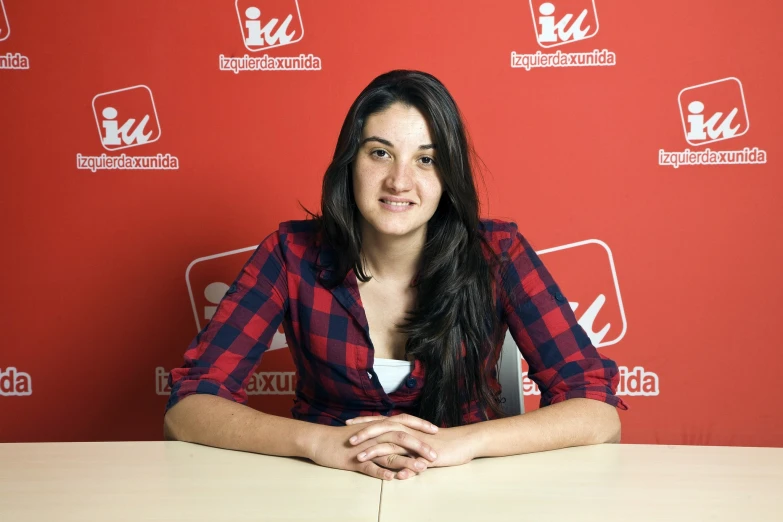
x,y
396,183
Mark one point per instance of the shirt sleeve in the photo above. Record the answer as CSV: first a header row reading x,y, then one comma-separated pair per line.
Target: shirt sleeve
x,y
224,354
562,360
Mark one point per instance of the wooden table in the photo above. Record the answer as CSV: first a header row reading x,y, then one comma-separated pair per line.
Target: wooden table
x,y
171,481
138,481
607,482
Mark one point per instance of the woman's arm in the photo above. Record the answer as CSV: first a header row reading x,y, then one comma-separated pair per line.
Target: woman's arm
x,y
574,422
215,421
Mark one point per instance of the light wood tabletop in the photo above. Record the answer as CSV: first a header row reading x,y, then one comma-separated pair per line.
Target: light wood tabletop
x,y
139,481
607,482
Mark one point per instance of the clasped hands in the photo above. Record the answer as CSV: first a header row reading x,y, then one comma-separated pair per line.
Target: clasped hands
x,y
379,446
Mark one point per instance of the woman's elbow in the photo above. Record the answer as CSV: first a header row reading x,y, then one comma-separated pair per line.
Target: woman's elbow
x,y
168,432
613,427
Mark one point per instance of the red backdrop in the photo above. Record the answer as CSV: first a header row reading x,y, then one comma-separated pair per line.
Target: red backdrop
x,y
149,146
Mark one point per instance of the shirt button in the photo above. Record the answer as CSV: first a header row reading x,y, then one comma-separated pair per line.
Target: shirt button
x,y
369,375
559,297
410,383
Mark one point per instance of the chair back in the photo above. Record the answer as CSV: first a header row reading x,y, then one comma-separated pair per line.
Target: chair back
x,y
510,377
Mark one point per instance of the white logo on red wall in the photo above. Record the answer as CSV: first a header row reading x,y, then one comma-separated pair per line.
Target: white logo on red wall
x,y
266,25
565,21
5,27
594,296
15,383
206,293
126,117
713,112
596,299
558,23
259,383
10,60
206,278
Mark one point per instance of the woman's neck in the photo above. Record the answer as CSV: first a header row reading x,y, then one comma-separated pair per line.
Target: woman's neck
x,y
392,258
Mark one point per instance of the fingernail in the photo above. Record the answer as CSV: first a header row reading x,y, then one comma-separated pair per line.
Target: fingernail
x,y
419,465
434,455
349,421
434,427
354,438
362,455
387,475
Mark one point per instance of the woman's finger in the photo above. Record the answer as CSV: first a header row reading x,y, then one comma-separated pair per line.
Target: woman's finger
x,y
401,466
389,431
404,474
405,419
392,456
360,420
410,444
373,470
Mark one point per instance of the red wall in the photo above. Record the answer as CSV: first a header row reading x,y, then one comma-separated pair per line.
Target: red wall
x,y
104,273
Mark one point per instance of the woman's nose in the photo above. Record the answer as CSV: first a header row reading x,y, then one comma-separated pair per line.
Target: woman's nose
x,y
400,178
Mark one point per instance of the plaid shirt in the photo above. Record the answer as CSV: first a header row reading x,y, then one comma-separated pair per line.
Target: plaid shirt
x,y
329,340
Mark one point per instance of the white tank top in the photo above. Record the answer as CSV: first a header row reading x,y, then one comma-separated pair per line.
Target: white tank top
x,y
391,372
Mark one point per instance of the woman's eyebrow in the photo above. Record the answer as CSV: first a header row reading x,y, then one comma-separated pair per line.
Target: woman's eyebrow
x,y
389,144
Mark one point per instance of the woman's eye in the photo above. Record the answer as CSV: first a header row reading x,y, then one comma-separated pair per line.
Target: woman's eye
x,y
379,150
430,162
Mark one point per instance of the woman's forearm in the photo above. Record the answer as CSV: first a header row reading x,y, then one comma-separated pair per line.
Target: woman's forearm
x,y
574,422
214,421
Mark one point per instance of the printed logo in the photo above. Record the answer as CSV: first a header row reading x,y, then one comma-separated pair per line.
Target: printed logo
x,y
558,23
267,32
712,112
573,21
15,383
5,27
206,278
266,25
596,299
10,60
636,382
594,296
259,383
126,118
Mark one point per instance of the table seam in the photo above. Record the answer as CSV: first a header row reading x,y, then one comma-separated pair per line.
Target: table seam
x,y
380,501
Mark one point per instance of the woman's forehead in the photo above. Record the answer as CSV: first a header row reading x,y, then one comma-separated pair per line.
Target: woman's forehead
x,y
400,124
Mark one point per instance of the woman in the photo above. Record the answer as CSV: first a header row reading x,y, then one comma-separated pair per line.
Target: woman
x,y
395,302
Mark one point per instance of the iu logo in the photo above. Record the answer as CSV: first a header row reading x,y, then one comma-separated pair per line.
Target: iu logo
x,y
267,24
5,27
594,295
563,21
713,111
205,278
126,117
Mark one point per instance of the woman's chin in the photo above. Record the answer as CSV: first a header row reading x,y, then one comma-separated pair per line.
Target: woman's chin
x,y
396,229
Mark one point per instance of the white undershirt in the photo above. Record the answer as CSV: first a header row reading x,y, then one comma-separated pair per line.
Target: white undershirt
x,y
391,372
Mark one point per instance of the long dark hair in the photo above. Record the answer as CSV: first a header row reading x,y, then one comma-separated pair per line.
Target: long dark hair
x,y
454,303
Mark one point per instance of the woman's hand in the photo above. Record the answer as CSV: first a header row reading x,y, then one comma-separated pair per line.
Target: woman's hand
x,y
452,446
399,451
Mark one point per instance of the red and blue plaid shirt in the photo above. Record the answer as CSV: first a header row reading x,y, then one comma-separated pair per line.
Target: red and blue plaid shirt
x,y
329,340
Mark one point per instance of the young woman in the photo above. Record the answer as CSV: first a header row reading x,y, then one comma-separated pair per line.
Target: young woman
x,y
395,301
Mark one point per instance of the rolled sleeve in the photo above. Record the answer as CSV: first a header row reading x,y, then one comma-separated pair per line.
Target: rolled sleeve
x,y
221,358
562,360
